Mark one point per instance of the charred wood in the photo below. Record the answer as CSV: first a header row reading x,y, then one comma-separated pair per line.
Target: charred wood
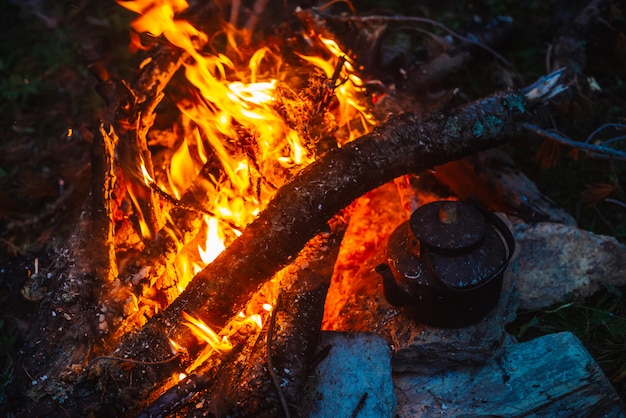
x,y
69,322
103,185
242,384
136,162
159,253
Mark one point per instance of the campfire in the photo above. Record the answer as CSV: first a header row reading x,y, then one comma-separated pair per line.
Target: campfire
x,y
243,193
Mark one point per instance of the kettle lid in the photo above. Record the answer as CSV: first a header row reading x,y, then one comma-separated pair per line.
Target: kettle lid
x,y
449,226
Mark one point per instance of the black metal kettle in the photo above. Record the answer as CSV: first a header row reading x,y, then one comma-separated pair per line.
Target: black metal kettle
x,y
446,263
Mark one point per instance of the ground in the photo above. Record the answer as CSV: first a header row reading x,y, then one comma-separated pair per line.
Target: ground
x,y
50,110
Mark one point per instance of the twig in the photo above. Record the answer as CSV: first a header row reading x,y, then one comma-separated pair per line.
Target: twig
x,y
603,127
270,366
133,361
331,85
595,150
416,19
616,202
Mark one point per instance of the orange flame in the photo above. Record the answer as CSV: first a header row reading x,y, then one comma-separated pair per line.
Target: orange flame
x,y
204,333
221,342
234,113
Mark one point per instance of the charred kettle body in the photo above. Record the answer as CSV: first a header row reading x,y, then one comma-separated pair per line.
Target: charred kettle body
x,y
446,264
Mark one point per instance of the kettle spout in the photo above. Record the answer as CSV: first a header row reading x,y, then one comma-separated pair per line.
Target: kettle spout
x,y
395,293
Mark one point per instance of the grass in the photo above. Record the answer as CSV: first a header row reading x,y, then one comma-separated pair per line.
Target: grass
x,y
599,322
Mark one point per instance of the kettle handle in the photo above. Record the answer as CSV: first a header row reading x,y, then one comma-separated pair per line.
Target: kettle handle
x,y
397,294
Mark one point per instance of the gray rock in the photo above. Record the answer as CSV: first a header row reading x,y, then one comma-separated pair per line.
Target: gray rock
x,y
552,376
558,262
354,379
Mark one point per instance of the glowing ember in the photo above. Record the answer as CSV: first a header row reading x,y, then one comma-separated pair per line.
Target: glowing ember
x,y
244,111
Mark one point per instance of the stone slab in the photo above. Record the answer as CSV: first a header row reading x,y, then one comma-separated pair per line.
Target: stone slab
x,y
354,379
552,376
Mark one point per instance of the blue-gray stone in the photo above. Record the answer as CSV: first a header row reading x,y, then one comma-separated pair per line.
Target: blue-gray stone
x,y
354,379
